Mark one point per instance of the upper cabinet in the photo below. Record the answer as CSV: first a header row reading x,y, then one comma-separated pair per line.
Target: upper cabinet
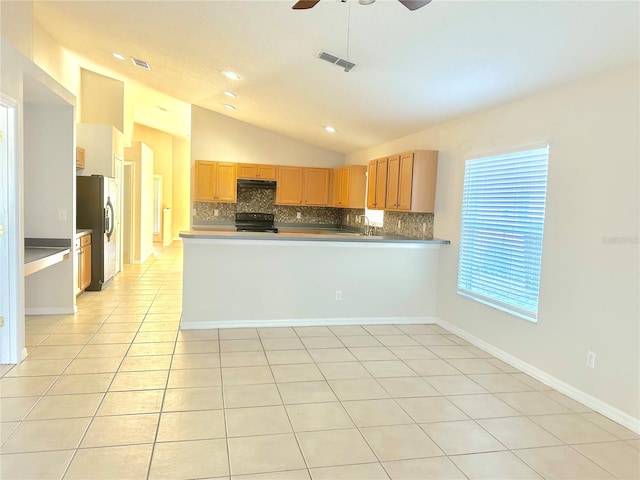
x,y
80,157
411,181
303,186
102,144
349,184
215,182
256,171
404,182
377,184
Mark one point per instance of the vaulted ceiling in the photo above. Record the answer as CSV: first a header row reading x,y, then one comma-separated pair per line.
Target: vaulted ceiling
x,y
413,69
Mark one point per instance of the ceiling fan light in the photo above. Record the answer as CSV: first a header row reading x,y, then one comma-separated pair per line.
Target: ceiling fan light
x,y
366,2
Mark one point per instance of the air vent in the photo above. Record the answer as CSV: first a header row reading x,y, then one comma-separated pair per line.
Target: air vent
x,y
141,63
341,62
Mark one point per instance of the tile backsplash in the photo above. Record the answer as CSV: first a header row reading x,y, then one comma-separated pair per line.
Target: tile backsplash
x,y
263,200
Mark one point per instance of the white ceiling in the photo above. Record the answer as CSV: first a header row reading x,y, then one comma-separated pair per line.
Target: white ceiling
x,y
413,69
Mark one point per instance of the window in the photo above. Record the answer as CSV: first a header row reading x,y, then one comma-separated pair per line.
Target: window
x,y
503,206
375,217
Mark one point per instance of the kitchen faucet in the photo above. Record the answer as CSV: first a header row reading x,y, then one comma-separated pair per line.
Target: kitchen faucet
x,y
368,228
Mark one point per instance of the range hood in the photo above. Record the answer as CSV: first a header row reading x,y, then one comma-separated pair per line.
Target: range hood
x,y
244,183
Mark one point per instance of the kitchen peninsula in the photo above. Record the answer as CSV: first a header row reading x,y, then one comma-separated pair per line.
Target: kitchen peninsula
x,y
236,279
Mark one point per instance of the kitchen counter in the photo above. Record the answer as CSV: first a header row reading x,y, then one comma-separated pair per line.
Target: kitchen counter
x,y
244,279
313,235
40,253
81,232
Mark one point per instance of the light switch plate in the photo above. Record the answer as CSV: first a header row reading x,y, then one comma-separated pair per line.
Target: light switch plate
x,y
299,215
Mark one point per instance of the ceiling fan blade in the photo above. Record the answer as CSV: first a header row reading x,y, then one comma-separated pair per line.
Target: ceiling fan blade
x,y
304,4
413,4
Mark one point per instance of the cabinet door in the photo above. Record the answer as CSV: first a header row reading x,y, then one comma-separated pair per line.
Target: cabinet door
x,y
372,176
393,178
316,187
289,186
85,267
247,170
205,176
266,172
226,183
405,182
78,254
382,169
336,190
344,190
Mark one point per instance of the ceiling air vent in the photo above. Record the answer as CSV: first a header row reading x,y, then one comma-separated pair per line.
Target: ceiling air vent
x,y
141,63
341,62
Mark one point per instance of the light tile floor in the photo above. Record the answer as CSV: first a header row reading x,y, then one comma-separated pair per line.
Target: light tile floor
x,y
117,391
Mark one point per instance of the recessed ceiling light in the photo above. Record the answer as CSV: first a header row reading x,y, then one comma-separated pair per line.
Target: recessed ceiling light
x,y
231,75
119,56
230,107
330,129
230,94
164,109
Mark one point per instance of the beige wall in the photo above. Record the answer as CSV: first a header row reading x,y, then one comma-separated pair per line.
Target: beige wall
x,y
181,184
162,145
218,137
16,25
589,296
102,99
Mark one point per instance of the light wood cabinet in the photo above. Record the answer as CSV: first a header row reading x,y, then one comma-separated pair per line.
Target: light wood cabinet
x,y
303,186
316,187
290,186
256,171
215,182
411,181
83,253
349,185
80,157
377,184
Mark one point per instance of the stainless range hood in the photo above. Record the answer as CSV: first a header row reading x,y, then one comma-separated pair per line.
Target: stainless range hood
x,y
244,183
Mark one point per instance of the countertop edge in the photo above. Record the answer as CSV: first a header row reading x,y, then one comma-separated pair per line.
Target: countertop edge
x,y
220,235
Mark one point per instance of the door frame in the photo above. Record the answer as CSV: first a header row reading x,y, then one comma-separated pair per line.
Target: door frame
x,y
11,251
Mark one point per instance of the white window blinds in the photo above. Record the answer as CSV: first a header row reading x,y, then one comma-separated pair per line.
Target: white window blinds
x,y
503,208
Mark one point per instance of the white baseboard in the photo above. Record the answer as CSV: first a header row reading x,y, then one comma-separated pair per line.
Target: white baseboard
x,y
306,322
590,401
49,311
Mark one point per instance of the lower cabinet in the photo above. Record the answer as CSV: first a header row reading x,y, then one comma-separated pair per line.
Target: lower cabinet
x,y
83,252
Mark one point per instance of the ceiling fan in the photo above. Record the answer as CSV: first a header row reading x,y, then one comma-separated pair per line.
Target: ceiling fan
x,y
410,4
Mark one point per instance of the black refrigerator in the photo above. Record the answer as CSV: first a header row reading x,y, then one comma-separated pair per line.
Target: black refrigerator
x,y
96,201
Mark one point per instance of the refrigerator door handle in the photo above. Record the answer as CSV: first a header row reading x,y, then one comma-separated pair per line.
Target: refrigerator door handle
x,y
108,219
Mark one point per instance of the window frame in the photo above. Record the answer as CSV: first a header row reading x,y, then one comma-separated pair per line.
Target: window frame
x,y
474,250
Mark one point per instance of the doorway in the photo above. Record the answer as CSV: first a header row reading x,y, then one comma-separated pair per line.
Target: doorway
x,y
10,248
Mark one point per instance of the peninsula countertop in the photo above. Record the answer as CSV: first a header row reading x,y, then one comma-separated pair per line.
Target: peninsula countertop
x,y
311,236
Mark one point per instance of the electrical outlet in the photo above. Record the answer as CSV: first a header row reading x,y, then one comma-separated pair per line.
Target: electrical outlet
x,y
62,215
347,218
299,215
216,212
424,226
591,359
338,295
399,223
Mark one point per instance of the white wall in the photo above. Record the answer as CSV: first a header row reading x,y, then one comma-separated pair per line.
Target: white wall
x,y
252,282
221,138
142,158
589,298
